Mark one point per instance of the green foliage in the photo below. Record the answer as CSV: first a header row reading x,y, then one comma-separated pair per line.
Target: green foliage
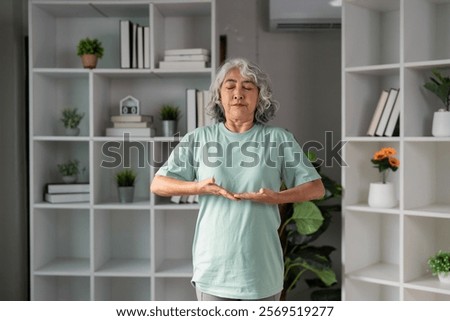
x,y
125,177
90,46
440,262
440,86
169,112
69,169
303,223
71,117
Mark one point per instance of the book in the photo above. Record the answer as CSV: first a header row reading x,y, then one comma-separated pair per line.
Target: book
x,y
147,47
390,102
125,44
134,27
200,107
187,58
393,119
187,51
67,198
143,132
132,118
142,124
190,199
61,188
182,64
140,47
377,114
175,199
191,108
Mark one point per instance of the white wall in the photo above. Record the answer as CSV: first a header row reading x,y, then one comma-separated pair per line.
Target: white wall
x,y
305,69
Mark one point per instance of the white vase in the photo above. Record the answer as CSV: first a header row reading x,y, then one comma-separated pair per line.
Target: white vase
x,y
382,195
126,194
72,131
441,124
69,179
444,278
169,127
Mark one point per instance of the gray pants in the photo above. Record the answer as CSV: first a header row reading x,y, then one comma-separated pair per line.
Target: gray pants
x,y
208,297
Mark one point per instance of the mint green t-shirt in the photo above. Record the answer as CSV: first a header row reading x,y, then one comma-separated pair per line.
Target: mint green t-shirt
x,y
236,249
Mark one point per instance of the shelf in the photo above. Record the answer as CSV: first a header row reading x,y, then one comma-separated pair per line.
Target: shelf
x,y
432,210
376,70
363,207
429,283
65,266
125,267
61,138
135,205
46,205
175,268
380,273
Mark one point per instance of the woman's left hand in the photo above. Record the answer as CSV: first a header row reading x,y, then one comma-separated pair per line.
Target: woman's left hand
x,y
264,195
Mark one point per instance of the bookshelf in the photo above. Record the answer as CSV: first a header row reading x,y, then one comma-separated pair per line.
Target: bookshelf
x,y
103,249
394,43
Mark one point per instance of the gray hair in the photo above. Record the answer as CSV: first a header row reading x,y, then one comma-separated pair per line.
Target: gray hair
x,y
266,106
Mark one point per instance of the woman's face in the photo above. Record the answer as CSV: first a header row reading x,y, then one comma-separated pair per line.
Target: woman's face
x,y
239,96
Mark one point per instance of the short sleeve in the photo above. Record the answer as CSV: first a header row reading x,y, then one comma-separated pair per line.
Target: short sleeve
x,y
180,164
296,167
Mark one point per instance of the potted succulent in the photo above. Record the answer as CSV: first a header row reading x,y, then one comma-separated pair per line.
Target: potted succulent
x,y
169,116
71,119
382,194
90,50
440,86
69,171
125,180
440,265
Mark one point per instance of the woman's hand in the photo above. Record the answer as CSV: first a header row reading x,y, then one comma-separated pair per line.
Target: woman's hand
x,y
209,186
264,195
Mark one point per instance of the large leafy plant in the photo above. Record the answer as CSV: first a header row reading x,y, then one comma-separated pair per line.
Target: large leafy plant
x,y
302,224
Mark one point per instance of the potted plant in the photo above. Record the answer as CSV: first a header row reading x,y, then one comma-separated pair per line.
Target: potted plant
x,y
69,171
71,119
301,225
440,86
90,50
440,265
125,180
169,116
382,194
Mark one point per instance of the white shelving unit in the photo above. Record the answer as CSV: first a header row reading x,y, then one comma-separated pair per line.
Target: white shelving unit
x,y
102,249
394,43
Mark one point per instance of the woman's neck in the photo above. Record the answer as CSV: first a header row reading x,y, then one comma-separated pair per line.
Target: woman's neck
x,y
238,126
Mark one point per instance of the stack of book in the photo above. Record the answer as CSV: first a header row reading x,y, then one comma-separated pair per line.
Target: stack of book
x,y
67,193
134,45
385,119
192,58
134,125
186,199
196,102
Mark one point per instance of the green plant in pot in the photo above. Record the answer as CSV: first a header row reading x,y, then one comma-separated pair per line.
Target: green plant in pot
x,y
440,86
169,115
301,225
90,50
125,180
69,171
71,119
439,265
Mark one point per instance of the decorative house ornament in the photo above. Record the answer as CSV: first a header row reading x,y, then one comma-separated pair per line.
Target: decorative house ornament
x,y
129,106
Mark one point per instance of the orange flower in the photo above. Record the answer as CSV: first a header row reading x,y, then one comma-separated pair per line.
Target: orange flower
x,y
379,155
389,151
394,162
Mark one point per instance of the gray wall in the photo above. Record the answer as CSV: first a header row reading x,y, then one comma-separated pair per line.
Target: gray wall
x,y
13,185
305,69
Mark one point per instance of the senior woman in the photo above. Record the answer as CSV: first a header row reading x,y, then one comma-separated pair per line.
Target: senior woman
x,y
237,167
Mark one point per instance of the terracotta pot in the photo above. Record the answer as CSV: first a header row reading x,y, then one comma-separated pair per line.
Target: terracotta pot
x,y
89,61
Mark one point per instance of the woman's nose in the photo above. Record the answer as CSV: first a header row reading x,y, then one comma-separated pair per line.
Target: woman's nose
x,y
238,95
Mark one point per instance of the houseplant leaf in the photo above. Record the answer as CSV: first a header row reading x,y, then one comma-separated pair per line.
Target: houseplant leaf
x,y
307,217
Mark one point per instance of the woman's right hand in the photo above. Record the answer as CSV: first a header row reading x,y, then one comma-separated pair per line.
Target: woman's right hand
x,y
209,186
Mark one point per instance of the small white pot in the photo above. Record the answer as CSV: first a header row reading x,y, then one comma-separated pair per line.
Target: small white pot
x,y
441,124
72,131
444,278
69,179
382,195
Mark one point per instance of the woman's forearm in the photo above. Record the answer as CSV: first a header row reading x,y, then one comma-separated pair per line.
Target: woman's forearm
x,y
305,192
169,186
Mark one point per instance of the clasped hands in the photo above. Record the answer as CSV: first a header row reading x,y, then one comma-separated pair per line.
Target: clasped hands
x,y
264,195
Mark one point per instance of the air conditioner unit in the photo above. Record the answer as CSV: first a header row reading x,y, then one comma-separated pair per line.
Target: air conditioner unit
x,y
303,15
